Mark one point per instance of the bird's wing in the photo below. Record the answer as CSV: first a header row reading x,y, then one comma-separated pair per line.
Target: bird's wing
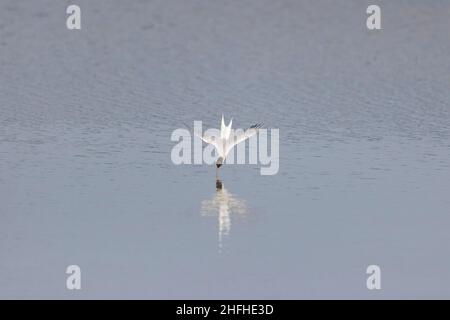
x,y
210,140
244,136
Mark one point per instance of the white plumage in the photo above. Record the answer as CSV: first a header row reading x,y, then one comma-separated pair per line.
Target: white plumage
x,y
225,142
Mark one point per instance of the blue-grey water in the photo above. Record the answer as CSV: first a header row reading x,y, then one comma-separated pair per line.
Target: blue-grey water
x,y
86,176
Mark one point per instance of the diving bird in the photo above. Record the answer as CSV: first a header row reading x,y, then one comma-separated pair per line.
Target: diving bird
x,y
225,141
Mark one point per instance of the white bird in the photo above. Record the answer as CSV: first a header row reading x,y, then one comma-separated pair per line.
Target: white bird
x,y
226,142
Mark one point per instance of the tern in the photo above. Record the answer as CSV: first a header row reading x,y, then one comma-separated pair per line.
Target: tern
x,y
225,142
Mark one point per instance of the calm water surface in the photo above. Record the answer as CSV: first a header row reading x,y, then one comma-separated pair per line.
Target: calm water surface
x,y
85,170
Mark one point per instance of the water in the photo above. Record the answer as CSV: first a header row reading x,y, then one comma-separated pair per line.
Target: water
x,y
85,170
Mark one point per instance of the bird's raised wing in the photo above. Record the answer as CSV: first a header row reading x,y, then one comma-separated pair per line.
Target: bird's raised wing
x,y
213,140
244,136
207,139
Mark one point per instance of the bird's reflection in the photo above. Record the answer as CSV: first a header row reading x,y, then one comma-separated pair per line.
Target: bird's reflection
x,y
224,205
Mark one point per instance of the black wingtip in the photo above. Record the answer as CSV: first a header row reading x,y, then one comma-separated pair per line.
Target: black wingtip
x,y
256,126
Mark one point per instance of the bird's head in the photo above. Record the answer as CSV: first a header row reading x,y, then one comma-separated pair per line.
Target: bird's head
x,y
219,162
